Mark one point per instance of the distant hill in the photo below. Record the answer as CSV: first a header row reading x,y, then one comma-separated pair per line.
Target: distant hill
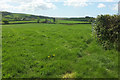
x,y
28,17
20,16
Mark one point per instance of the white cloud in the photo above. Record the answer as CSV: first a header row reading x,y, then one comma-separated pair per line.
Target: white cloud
x,y
25,5
115,7
84,0
53,0
101,5
109,0
76,3
83,3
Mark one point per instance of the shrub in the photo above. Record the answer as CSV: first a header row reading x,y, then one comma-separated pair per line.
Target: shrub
x,y
107,30
54,20
91,20
5,21
38,20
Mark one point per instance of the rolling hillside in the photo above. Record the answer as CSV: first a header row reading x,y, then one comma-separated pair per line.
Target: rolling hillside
x,y
26,17
20,16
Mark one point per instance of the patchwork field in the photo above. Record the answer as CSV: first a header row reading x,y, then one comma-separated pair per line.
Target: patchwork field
x,y
55,51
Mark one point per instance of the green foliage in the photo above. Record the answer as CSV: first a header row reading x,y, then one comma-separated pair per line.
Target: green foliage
x,y
86,19
54,20
38,20
91,20
46,20
107,30
8,16
5,21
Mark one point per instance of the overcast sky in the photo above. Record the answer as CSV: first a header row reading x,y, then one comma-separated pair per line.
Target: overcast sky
x,y
61,8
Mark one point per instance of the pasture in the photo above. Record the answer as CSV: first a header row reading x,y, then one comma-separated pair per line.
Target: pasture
x,y
55,51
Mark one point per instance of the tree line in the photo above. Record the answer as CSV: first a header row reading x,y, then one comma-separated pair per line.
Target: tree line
x,y
47,20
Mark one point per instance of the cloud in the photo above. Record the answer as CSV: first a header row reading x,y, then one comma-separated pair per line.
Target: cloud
x,y
76,3
101,5
83,3
53,0
25,5
84,0
115,7
109,0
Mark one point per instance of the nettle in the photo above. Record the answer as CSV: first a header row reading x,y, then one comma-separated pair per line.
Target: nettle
x,y
107,31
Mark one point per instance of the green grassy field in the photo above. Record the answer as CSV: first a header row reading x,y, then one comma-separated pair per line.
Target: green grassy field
x,y
22,21
17,22
41,20
69,21
55,51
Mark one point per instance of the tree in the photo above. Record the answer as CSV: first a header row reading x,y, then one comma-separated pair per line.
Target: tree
x,y
38,20
46,20
91,19
5,21
16,18
54,20
87,17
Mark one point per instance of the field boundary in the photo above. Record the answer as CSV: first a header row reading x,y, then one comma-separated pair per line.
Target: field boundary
x,y
46,23
73,23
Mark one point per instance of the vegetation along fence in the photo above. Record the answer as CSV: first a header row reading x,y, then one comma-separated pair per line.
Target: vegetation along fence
x,y
107,31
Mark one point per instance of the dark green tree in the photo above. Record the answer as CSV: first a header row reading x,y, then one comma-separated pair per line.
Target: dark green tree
x,y
54,20
91,19
38,20
5,21
46,20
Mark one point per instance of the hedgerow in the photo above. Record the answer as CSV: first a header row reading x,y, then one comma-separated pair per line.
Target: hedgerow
x,y
5,21
107,31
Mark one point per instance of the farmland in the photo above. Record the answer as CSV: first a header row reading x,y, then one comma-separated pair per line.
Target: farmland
x,y
55,51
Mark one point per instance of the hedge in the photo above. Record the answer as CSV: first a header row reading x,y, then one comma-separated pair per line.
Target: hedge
x,y
107,31
5,21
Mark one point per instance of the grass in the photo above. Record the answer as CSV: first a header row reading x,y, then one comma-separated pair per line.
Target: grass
x,y
41,20
70,21
30,21
22,21
55,51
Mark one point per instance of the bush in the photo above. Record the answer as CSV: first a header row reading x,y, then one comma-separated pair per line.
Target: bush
x,y
5,21
107,30
38,21
91,20
54,20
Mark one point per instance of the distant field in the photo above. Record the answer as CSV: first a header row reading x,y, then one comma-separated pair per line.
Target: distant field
x,y
22,21
41,20
55,51
69,21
